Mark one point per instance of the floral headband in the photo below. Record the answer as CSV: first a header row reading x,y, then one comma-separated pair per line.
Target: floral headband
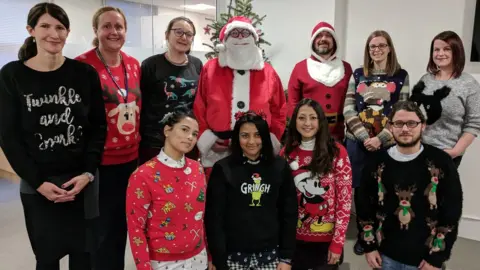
x,y
239,115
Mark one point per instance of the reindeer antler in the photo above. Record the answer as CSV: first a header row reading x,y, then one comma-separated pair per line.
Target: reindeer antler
x,y
110,96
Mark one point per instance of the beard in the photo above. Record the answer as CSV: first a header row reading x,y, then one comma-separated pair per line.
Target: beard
x,y
415,140
241,57
322,50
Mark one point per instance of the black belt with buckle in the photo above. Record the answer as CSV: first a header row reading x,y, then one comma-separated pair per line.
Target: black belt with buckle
x,y
335,118
224,135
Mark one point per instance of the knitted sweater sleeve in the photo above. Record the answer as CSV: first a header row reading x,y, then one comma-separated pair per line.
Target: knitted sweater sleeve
x,y
215,211
350,113
343,202
138,196
367,206
450,196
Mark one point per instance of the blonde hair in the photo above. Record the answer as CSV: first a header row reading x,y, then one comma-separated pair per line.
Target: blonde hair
x,y
96,18
392,63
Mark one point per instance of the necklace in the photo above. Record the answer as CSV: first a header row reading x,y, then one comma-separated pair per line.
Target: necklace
x,y
175,63
125,77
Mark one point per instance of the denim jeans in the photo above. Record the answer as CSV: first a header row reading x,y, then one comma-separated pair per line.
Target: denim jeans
x,y
389,264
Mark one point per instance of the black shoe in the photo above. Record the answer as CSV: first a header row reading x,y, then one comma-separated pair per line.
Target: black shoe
x,y
358,249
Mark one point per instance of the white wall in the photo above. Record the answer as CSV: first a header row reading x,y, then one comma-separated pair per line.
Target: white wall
x,y
288,28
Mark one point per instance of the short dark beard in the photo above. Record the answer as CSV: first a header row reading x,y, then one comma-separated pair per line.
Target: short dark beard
x,y
410,144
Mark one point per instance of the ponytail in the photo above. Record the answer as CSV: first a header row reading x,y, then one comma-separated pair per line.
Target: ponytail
x,y
95,42
28,49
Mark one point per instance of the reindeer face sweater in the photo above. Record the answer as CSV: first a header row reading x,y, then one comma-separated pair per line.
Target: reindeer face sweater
x,y
165,209
123,116
324,201
409,210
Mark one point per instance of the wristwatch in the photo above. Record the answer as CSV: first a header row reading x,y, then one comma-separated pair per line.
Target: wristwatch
x,y
89,175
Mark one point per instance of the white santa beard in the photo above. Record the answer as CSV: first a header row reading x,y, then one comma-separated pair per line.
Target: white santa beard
x,y
242,57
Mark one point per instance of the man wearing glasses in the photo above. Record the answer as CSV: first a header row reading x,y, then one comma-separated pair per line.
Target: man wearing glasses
x,y
323,77
237,81
410,199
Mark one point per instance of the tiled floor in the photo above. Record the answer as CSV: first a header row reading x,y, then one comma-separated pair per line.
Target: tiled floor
x,y
15,252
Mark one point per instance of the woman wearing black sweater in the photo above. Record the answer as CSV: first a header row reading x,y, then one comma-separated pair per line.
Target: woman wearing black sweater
x,y
168,82
52,130
251,211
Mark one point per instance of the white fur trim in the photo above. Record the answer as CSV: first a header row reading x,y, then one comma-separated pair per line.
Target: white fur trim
x,y
206,141
327,73
220,47
334,35
240,92
241,25
277,146
209,158
301,176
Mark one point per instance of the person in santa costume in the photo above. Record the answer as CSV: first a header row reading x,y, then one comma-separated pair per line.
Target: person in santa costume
x,y
237,81
322,77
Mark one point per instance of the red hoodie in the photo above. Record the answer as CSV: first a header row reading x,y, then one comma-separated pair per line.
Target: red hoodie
x,y
123,119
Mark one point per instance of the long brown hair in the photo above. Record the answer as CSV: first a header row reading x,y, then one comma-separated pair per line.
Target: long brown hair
x,y
392,63
458,53
96,19
325,149
29,47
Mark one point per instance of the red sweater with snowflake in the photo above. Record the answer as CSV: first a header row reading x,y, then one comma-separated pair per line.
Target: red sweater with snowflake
x,y
123,118
324,202
165,210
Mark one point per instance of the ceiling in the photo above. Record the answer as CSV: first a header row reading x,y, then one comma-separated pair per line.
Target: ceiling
x,y
177,4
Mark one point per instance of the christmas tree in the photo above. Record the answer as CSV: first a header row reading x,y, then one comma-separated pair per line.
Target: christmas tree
x,y
201,196
240,8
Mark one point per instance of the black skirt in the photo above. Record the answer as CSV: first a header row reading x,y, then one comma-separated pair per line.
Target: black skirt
x,y
55,229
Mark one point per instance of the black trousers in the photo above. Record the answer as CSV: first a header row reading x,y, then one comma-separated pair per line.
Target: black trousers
x,y
313,256
112,222
56,230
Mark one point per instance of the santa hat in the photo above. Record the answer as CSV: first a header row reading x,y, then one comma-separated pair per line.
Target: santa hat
x,y
320,27
299,174
236,22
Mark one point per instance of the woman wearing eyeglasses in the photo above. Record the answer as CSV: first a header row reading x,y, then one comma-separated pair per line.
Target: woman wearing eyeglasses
x,y
168,82
373,90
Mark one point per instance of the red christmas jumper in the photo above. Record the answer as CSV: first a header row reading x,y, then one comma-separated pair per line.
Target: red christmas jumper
x,y
325,201
165,210
123,119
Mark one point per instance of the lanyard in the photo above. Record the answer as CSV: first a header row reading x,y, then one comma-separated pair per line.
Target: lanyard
x,y
125,97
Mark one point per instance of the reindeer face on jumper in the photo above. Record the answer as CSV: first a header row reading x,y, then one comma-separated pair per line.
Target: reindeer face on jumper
x,y
376,93
405,196
125,114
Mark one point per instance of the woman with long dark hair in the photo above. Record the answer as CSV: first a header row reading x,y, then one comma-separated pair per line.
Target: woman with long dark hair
x,y
251,207
322,175
169,81
52,130
120,75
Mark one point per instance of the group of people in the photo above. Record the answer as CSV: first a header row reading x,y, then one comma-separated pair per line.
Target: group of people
x,y
200,166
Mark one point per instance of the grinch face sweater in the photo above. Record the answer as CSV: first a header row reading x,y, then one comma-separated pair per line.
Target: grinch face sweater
x,y
324,201
409,210
165,209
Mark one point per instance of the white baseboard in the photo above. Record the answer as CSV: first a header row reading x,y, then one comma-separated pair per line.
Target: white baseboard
x,y
469,228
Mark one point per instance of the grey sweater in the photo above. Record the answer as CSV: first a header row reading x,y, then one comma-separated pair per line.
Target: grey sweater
x,y
460,110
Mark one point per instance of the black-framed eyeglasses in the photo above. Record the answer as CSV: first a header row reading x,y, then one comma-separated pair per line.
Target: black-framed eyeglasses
x,y
179,33
409,124
235,33
380,46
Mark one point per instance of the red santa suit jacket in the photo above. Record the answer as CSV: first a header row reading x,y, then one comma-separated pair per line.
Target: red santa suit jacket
x,y
222,92
323,80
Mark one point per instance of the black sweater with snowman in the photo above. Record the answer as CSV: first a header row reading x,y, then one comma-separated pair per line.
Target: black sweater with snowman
x,y
410,210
